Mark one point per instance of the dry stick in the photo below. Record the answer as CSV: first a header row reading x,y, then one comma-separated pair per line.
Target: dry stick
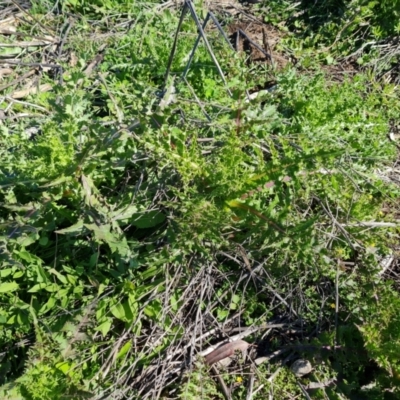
x,y
31,16
306,395
173,50
372,224
221,30
255,44
120,115
175,353
11,100
22,115
282,300
247,263
224,388
96,61
185,72
33,64
198,317
337,305
274,375
260,360
240,336
212,331
63,40
37,43
40,65
320,385
198,102
336,222
18,80
112,356
250,386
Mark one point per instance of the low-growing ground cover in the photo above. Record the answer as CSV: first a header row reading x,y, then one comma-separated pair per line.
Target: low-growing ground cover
x,y
148,218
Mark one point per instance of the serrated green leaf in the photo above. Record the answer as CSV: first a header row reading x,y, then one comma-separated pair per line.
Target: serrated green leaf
x,y
305,225
57,182
123,213
76,228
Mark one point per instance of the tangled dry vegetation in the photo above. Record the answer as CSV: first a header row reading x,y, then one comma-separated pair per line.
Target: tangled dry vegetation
x,y
217,223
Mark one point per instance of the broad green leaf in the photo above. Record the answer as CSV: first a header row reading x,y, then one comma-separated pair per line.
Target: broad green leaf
x,y
36,288
71,279
124,349
26,241
5,272
174,300
8,287
43,241
150,272
41,274
105,327
64,367
48,306
25,255
23,319
149,219
305,225
124,311
118,311
61,277
222,314
153,310
101,309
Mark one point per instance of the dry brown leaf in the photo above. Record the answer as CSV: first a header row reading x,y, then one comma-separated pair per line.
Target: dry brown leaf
x,y
225,351
73,62
11,21
19,94
5,71
7,29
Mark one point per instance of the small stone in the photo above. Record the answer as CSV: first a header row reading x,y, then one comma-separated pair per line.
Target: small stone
x,y
301,367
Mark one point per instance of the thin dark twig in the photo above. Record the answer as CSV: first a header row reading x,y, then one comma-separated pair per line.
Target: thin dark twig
x,y
203,35
63,40
337,305
173,50
219,27
196,44
31,16
255,44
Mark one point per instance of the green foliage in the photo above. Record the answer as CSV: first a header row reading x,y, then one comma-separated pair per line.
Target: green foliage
x,y
335,28
380,330
196,385
105,226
